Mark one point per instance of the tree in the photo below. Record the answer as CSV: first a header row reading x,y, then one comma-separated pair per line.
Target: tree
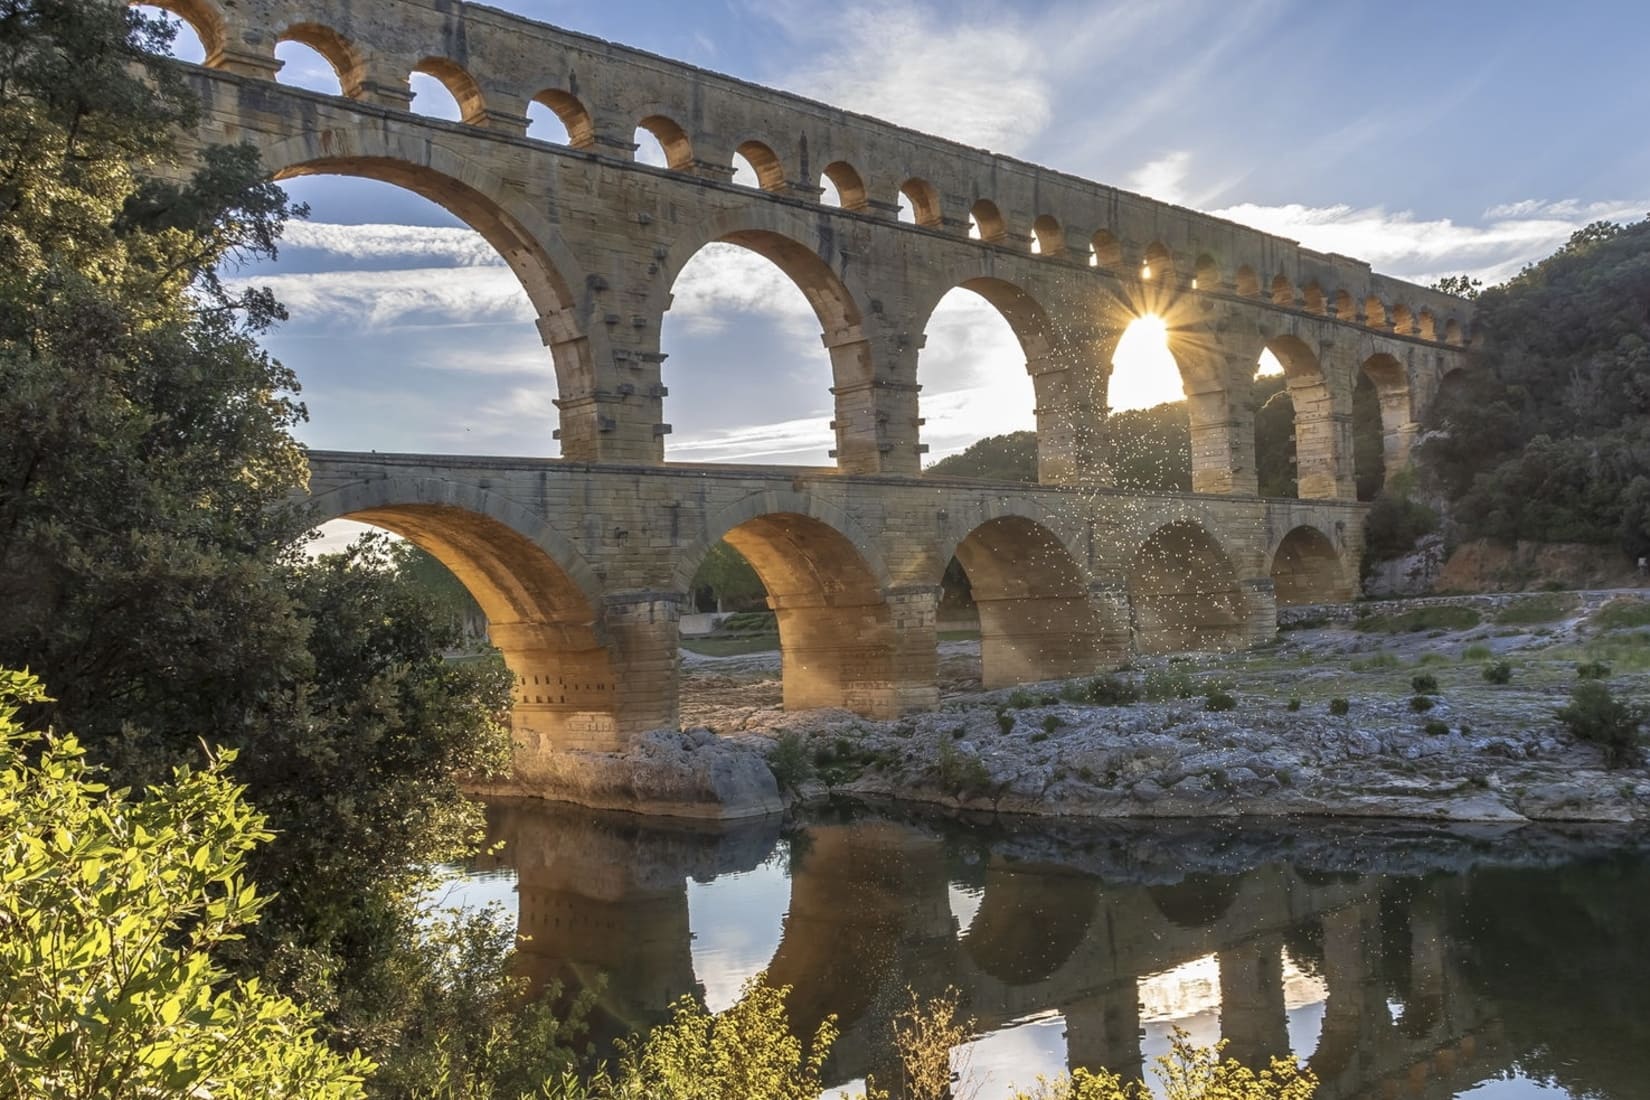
x,y
728,580
1462,286
114,916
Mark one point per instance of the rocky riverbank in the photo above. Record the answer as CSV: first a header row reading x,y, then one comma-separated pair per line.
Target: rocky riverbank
x,y
1450,713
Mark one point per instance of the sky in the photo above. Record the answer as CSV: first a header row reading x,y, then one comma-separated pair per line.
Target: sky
x,y
1426,138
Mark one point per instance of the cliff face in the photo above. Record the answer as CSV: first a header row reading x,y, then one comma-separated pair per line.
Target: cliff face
x,y
1485,566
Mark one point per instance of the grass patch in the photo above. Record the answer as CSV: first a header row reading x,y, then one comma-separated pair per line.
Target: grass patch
x,y
1446,617
1101,691
1217,700
1545,608
731,647
1174,682
1622,614
1477,651
1375,662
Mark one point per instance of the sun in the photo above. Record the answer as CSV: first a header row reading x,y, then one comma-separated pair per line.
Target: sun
x,y
1143,372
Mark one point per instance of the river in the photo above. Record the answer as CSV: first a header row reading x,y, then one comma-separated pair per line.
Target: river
x,y
1398,960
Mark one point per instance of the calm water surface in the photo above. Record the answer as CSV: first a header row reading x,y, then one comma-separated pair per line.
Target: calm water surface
x,y
1400,961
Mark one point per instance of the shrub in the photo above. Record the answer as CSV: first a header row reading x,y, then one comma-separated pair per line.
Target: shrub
x,y
1052,722
1217,699
961,772
1187,1072
1174,682
789,762
925,1034
1477,651
1102,691
1592,670
1005,721
1294,704
1339,707
1020,699
1420,704
1596,716
1499,672
1436,727
1424,684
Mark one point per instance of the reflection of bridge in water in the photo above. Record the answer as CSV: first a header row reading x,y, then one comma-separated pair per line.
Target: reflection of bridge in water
x,y
870,915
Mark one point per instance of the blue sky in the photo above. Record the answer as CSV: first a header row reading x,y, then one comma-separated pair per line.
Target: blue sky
x,y
1426,138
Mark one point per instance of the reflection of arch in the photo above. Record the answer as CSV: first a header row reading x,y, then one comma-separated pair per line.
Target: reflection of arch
x,y
337,50
1183,592
1030,921
671,138
472,108
925,201
770,174
1196,901
1105,250
581,131
1036,620
1206,275
1048,236
988,220
1306,569
1247,282
850,187
206,19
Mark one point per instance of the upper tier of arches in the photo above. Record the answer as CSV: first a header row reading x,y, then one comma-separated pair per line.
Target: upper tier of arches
x,y
497,65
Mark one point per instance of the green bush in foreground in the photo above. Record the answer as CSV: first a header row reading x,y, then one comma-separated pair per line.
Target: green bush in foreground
x,y
1500,672
1596,716
113,914
789,761
1187,1072
1424,683
1339,707
1216,699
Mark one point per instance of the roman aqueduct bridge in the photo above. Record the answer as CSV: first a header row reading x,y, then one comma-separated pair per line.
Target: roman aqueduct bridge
x,y
582,563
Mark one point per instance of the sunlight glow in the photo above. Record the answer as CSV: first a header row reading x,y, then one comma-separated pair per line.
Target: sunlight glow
x,y
1144,372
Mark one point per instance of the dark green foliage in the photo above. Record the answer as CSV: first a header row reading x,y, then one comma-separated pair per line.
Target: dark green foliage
x,y
1462,286
1005,721
961,772
444,591
1436,727
1052,722
1592,670
1102,691
1216,699
1151,449
1173,682
1545,608
1424,683
1439,617
1274,437
1020,699
1339,707
1011,457
1596,716
1293,705
725,581
1396,522
1498,672
789,762
1546,436
1420,704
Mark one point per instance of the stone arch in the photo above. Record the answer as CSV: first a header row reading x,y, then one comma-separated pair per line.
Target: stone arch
x,y
837,639
850,186
532,248
1307,569
988,221
1105,250
1206,273
574,116
1313,300
338,52
1403,320
770,173
1247,283
1398,428
1036,618
1183,592
1425,326
540,596
1047,236
1158,263
1030,921
1375,315
204,17
1344,308
1452,333
1322,418
1196,901
472,105
678,148
1283,291
925,201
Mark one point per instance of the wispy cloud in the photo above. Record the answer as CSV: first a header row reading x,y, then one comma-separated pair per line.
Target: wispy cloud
x,y
436,296
431,245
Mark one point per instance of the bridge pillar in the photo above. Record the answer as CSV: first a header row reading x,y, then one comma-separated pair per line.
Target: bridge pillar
x,y
1223,425
1260,611
643,631
1323,429
1052,637
1103,1032
1252,1015
1070,384
1355,1015
876,391
875,659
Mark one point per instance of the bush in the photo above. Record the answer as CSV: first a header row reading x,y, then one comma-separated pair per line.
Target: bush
x,y
1424,684
1477,651
1020,699
961,772
789,762
1173,682
1499,672
1339,707
1217,699
1592,670
1420,704
1436,727
1005,721
1596,716
1187,1072
1052,722
1293,705
1102,691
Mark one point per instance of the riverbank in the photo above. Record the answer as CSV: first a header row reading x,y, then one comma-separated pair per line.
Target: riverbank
x,y
1450,714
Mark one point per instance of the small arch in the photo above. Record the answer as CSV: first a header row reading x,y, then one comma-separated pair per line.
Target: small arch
x,y
674,149
1283,291
316,40
1206,273
847,183
985,222
1047,238
1403,320
1345,309
1183,593
204,19
1306,569
1375,313
1105,250
1452,333
924,200
763,163
1030,921
1312,298
570,111
1425,326
1036,620
1247,282
1158,263
459,83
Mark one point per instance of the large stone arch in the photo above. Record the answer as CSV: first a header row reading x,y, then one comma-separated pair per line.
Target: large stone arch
x,y
540,596
838,641
1030,921
526,241
206,18
1184,593
1323,421
1306,568
1038,620
1388,377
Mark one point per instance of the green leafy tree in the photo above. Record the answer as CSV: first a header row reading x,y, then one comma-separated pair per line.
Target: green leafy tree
x,y
115,914
1462,286
727,581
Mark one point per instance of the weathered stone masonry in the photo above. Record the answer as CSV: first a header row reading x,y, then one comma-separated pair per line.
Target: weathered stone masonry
x,y
583,563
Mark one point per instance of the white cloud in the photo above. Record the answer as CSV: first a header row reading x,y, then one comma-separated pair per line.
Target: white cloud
x,y
806,439
439,296
430,244
723,280
1164,179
